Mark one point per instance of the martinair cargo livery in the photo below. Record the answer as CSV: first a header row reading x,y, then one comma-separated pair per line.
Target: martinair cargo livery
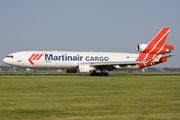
x,y
150,54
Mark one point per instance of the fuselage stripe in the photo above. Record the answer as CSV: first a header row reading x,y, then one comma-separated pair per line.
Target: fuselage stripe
x,y
39,56
35,57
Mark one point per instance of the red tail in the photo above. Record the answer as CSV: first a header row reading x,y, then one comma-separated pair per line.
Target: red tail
x,y
160,38
154,47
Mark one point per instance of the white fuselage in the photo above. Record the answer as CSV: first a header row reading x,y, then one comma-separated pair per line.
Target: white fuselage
x,y
66,60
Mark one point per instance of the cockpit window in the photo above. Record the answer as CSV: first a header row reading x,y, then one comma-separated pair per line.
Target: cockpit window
x,y
10,56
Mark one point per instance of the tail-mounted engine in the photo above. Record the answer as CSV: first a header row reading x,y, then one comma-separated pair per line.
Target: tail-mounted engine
x,y
144,48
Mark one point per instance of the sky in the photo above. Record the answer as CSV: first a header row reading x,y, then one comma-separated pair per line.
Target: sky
x,y
81,25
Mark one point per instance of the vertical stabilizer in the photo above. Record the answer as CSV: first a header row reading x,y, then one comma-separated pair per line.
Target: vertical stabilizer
x,y
154,48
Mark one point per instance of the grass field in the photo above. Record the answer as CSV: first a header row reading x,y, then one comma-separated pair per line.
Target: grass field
x,y
90,98
112,73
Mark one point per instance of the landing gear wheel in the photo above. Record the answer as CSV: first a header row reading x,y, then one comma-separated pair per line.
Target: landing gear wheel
x,y
99,74
28,74
106,74
92,74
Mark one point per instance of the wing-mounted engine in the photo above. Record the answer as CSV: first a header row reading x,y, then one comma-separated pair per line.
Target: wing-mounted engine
x,y
85,68
163,49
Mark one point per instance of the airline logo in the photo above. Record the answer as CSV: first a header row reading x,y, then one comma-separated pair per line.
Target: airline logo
x,y
66,58
77,57
34,57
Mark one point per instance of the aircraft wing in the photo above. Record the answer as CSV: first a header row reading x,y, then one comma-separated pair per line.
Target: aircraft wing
x,y
126,62
117,63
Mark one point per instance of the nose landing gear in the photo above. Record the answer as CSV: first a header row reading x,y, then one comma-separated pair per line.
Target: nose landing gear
x,y
28,74
28,71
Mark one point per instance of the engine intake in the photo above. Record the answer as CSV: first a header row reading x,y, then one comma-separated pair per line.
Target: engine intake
x,y
141,47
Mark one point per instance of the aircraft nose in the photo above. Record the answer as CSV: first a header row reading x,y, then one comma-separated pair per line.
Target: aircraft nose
x,y
5,60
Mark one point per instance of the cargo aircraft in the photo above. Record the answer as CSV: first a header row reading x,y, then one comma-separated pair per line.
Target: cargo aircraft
x,y
97,63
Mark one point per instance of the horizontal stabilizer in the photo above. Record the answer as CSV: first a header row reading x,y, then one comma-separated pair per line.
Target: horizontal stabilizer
x,y
167,56
156,59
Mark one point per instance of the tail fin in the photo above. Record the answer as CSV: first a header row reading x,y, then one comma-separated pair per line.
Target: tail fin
x,y
154,48
160,38
156,45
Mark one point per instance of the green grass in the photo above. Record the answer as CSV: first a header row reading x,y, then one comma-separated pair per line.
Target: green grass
x,y
90,98
112,73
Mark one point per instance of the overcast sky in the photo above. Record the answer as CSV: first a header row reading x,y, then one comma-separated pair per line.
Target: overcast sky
x,y
87,25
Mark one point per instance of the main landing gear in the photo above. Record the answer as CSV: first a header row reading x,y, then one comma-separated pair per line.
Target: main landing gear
x,y
102,73
99,74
